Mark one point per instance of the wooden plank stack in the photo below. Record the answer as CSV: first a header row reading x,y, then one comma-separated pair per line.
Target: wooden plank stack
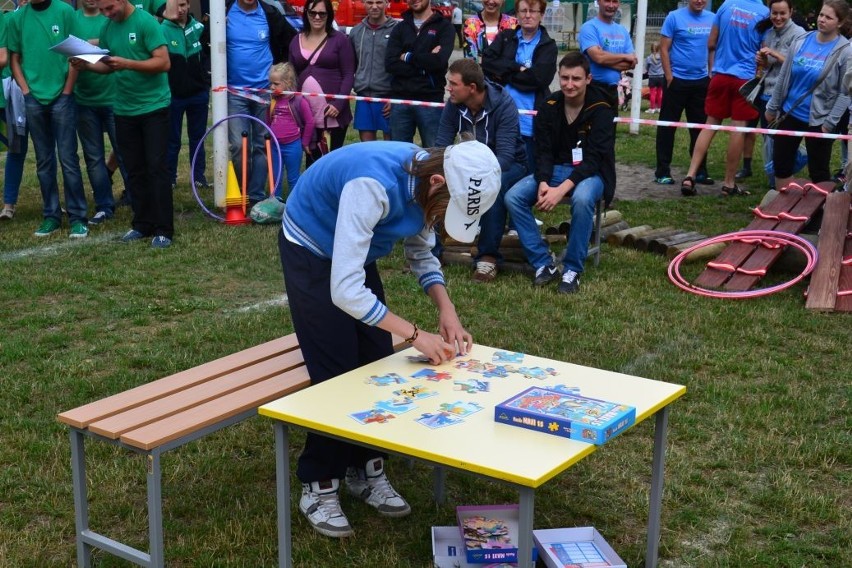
x,y
831,281
666,241
742,264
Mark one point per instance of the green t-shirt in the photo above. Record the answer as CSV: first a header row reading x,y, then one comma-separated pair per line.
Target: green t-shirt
x,y
2,45
44,70
92,89
136,38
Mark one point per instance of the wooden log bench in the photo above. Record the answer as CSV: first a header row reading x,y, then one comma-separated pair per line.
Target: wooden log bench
x,y
162,415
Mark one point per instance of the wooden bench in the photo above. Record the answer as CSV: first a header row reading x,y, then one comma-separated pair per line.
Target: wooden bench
x,y
156,417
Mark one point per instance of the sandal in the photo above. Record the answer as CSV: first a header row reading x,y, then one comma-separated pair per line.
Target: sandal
x,y
688,190
734,191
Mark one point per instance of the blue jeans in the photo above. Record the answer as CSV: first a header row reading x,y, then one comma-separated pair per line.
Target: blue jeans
x,y
256,184
524,195
404,119
195,108
494,221
53,128
291,160
92,122
14,171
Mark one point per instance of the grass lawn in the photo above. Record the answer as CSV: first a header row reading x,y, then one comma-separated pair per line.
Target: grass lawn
x,y
759,464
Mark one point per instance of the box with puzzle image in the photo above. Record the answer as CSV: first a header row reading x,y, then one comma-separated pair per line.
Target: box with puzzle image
x,y
567,415
490,533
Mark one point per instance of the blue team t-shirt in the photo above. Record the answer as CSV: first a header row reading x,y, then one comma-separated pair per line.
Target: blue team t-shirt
x,y
688,32
612,38
249,56
805,69
738,39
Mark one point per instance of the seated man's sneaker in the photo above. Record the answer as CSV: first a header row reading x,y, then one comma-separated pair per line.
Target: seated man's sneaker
x,y
371,485
320,503
545,274
570,283
485,271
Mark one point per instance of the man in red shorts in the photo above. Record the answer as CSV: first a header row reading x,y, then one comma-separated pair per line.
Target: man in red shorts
x,y
732,44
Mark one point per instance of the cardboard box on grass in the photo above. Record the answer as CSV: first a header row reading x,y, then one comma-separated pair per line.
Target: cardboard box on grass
x,y
580,547
448,550
492,533
568,415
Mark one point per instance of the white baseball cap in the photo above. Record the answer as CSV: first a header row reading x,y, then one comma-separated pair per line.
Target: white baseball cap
x,y
473,175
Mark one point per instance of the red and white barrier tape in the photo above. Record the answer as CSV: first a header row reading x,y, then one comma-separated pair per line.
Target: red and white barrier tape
x,y
251,93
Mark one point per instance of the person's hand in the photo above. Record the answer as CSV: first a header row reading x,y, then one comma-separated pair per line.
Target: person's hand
x,y
769,116
77,63
331,111
549,197
454,333
433,346
116,63
386,110
436,49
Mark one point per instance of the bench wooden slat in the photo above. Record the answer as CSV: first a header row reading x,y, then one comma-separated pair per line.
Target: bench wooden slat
x,y
82,416
217,410
113,426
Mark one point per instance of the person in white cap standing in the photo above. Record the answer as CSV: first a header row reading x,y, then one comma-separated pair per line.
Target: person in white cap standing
x,y
346,211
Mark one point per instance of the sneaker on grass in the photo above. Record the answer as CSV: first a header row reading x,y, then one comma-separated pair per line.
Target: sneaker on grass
x,y
570,283
47,227
132,235
161,242
664,180
320,503
8,212
545,274
79,230
371,485
485,271
99,218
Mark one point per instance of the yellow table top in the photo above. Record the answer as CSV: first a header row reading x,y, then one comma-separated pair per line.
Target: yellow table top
x,y
478,444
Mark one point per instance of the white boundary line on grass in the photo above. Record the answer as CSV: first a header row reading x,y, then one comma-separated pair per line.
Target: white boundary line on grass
x,y
272,303
58,247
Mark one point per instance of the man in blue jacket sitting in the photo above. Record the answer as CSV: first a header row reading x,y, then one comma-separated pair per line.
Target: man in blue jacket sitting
x,y
489,113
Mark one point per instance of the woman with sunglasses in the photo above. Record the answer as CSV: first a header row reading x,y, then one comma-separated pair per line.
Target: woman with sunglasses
x,y
325,63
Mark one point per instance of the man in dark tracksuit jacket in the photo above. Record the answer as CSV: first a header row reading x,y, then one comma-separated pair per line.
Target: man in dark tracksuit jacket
x,y
575,157
418,53
488,112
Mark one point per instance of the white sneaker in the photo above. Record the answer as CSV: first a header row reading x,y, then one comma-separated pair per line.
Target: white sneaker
x,y
485,271
320,503
8,213
371,485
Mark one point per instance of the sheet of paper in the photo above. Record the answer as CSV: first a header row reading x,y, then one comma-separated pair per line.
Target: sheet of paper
x,y
73,46
91,57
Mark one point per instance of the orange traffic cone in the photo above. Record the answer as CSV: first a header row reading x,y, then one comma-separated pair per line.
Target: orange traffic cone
x,y
234,214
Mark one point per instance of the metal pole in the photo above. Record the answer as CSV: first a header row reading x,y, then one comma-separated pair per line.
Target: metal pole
x,y
639,45
219,99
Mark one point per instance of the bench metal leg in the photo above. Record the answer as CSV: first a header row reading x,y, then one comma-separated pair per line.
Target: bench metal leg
x,y
155,511
282,490
656,499
81,499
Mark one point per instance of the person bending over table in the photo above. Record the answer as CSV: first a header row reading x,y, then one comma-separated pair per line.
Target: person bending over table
x,y
346,211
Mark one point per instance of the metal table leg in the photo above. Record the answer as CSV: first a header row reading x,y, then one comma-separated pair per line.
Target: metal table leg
x,y
656,497
282,484
525,526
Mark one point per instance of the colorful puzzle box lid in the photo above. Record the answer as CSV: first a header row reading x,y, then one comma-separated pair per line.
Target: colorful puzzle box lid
x,y
448,550
580,547
490,533
564,414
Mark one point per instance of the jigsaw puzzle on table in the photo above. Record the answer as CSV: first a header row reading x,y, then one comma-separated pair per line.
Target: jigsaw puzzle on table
x,y
469,376
565,414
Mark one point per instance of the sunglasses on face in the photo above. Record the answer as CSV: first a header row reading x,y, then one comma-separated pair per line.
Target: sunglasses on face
x,y
317,15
